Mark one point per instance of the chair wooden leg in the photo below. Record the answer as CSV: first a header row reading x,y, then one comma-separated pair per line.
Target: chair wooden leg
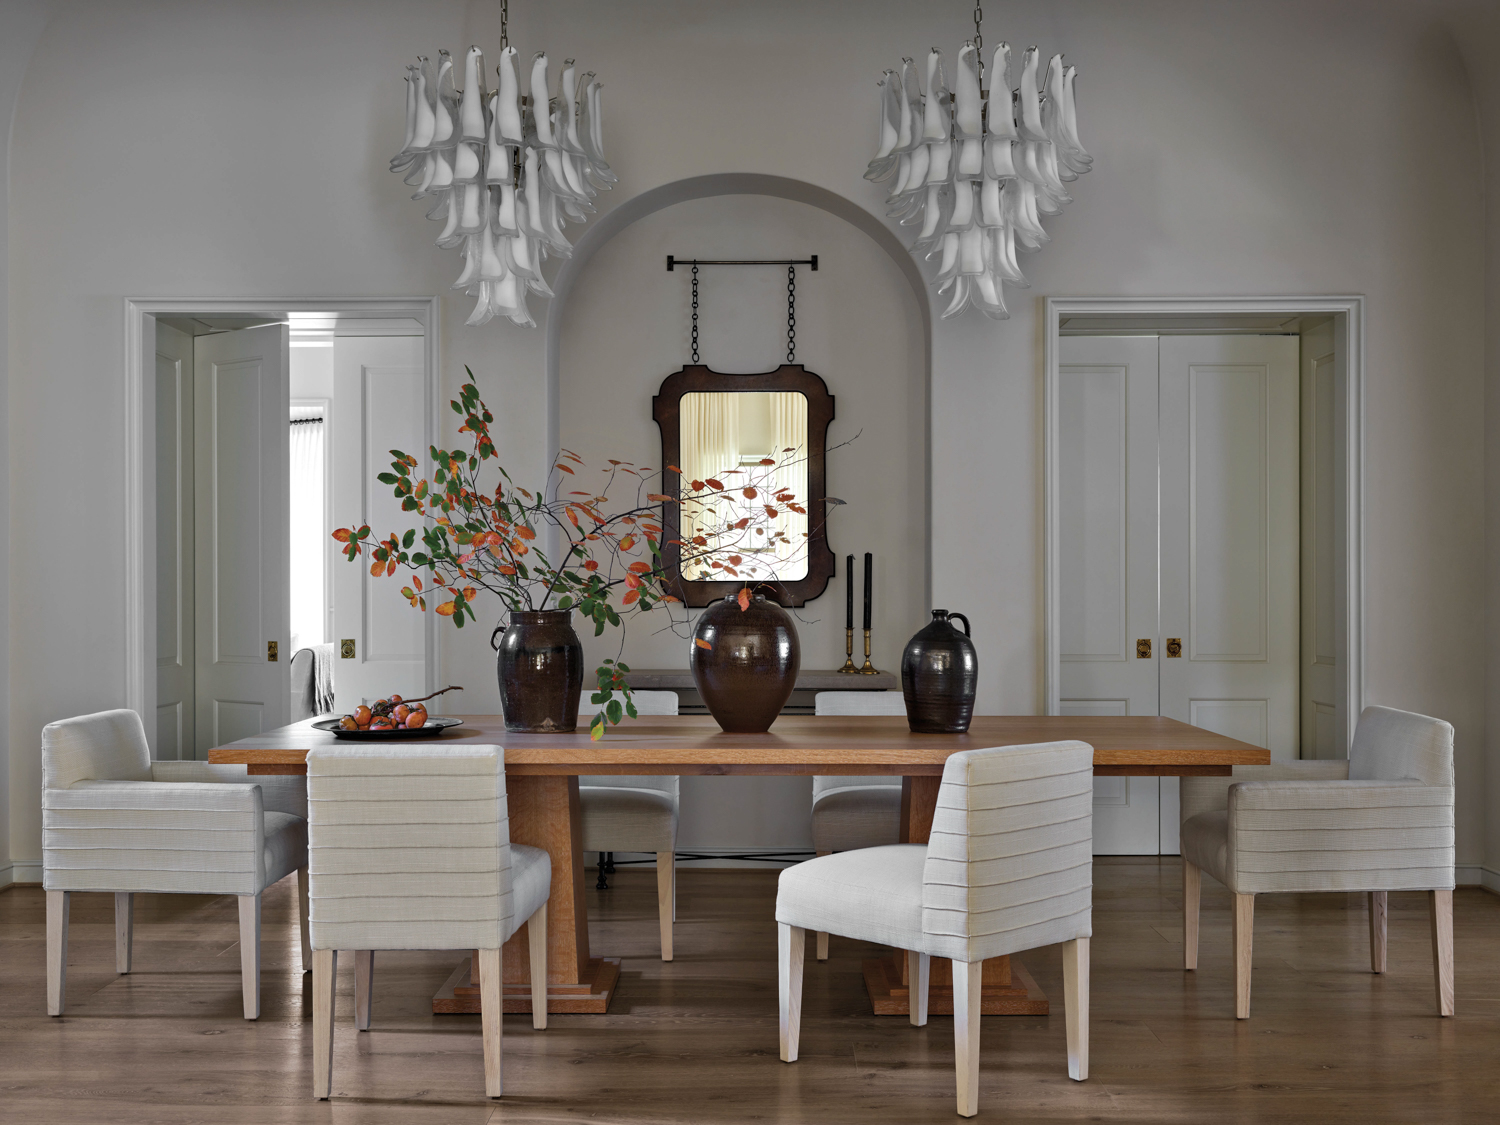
x,y
57,950
124,930
364,985
1244,939
304,918
1076,1005
1192,896
918,973
664,901
325,976
536,937
250,954
1377,931
968,979
491,1015
1440,908
791,949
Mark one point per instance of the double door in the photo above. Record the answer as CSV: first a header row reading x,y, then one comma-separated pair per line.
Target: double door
x,y
1179,569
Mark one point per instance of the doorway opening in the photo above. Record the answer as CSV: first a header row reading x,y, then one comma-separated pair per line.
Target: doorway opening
x,y
1203,529
261,428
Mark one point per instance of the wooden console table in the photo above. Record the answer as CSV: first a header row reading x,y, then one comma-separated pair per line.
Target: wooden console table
x,y
541,776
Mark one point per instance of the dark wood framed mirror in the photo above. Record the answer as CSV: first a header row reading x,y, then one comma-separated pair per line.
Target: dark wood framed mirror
x,y
711,423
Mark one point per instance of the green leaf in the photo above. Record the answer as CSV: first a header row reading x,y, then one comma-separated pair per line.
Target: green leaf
x,y
457,409
614,711
409,505
409,538
387,478
622,666
630,709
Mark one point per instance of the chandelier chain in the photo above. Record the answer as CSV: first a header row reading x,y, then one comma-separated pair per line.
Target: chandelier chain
x,y
978,36
791,314
504,24
695,312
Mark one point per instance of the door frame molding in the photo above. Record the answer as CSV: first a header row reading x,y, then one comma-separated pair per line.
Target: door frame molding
x,y
139,424
1351,342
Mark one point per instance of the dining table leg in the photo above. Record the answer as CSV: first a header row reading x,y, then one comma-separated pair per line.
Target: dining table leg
x,y
545,813
1007,988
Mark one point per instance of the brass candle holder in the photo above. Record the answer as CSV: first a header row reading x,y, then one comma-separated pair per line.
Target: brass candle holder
x,y
849,668
868,669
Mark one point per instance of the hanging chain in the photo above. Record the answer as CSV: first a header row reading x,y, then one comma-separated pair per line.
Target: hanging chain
x,y
979,44
504,24
695,312
791,314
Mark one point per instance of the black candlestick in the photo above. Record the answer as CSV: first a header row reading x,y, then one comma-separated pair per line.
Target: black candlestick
x,y
849,618
869,584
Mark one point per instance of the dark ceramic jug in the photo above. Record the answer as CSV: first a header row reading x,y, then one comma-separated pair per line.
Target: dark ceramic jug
x,y
939,675
541,671
745,662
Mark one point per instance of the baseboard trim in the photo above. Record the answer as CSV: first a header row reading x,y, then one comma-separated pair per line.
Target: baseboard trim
x,y
1477,875
20,875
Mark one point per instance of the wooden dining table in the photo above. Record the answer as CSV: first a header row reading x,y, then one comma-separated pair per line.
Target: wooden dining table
x,y
541,778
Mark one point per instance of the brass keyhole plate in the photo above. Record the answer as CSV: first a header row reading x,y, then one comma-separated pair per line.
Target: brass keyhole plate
x,y
1143,649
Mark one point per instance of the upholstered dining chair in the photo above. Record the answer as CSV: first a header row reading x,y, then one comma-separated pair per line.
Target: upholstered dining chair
x,y
855,812
410,849
636,814
1381,821
1008,867
115,821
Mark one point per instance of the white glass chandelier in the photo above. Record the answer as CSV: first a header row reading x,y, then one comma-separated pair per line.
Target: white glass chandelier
x,y
976,170
504,170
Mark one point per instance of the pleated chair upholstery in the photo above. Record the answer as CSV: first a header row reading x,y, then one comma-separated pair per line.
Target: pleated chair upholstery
x,y
1008,867
410,849
1382,821
115,821
855,811
631,813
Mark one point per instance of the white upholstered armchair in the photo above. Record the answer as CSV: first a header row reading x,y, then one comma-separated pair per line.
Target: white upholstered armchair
x,y
114,820
1380,822
410,849
631,813
1008,867
855,812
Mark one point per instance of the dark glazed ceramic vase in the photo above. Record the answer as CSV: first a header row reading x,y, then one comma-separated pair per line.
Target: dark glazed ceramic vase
x,y
745,662
939,675
541,671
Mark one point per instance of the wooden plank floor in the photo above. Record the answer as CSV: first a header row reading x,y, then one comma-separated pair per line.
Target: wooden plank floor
x,y
695,1040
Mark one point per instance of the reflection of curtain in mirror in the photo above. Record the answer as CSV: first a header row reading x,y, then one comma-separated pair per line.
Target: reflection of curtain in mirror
x,y
309,540
710,447
789,423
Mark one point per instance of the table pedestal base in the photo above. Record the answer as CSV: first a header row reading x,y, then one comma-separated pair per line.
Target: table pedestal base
x,y
1007,990
589,996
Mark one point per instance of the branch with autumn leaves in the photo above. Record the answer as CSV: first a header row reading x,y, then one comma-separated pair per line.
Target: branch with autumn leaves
x,y
476,538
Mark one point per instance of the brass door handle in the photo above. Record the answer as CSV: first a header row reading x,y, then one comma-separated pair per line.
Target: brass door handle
x,y
272,652
1143,649
1174,647
346,649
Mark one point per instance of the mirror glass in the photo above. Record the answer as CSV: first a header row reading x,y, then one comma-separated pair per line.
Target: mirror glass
x,y
728,436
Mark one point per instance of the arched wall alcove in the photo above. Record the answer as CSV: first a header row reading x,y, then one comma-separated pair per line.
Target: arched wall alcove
x,y
620,323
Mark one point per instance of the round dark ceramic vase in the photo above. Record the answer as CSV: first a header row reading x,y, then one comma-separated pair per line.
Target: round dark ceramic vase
x,y
745,662
540,666
939,675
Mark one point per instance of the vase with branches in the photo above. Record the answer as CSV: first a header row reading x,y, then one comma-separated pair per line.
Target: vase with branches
x,y
581,545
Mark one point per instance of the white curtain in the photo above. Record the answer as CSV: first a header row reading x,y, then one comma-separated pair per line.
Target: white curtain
x,y
710,447
789,424
309,540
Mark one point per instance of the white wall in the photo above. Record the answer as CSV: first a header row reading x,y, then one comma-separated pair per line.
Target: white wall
x,y
860,328
1233,156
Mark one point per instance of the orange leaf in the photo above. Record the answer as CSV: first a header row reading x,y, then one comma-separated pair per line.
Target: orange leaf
x,y
772,512
377,568
565,468
696,486
418,581
735,560
627,543
506,569
390,568
744,599
702,542
633,581
469,593
657,496
716,485
630,597
640,567
700,642
768,460
343,535
447,608
525,533
750,494
742,524
590,565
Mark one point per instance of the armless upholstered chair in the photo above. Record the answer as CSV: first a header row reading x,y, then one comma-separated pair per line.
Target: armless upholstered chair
x,y
114,820
855,812
1380,822
637,814
410,849
1009,867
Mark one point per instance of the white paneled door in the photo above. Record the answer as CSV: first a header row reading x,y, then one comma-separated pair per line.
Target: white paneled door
x,y
240,486
176,731
1179,521
1107,439
378,405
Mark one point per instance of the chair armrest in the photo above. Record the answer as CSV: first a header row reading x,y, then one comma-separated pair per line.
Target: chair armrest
x,y
284,794
206,838
1211,794
1340,836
